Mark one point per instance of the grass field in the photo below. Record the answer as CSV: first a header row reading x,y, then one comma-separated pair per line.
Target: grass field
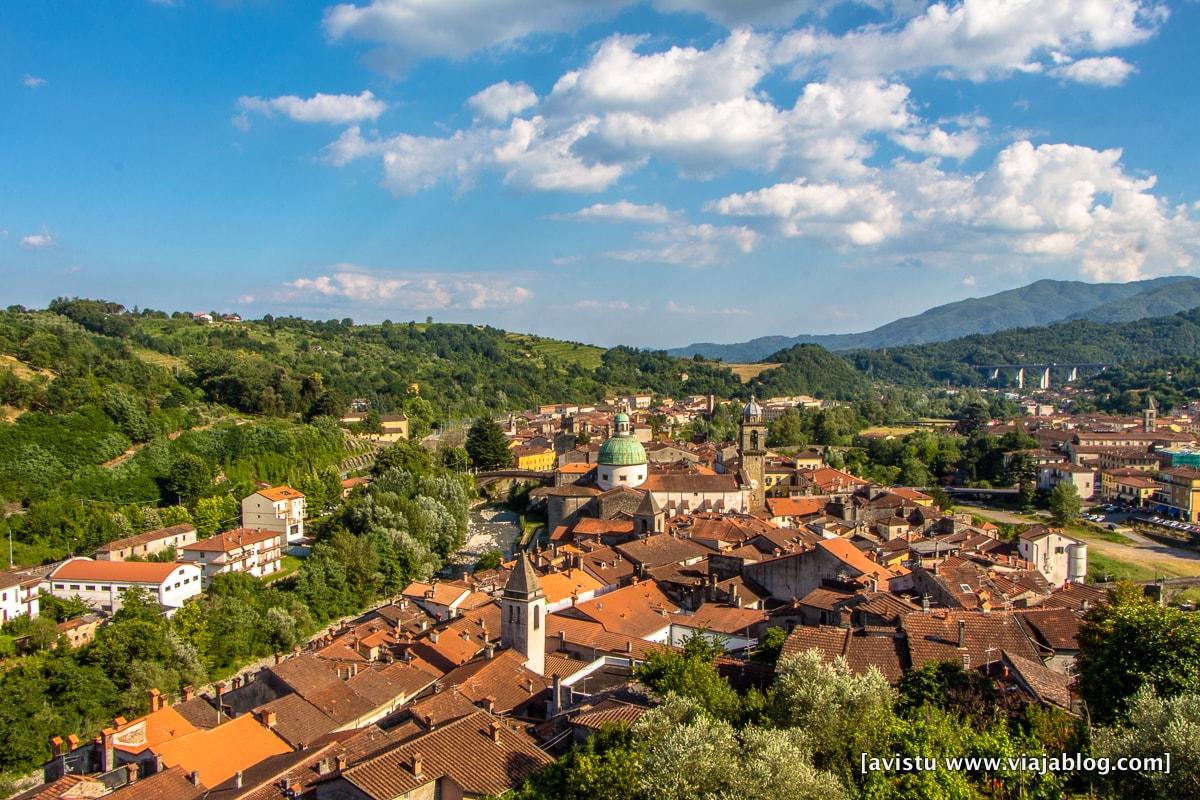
x,y
887,430
163,360
746,372
1102,568
585,355
21,369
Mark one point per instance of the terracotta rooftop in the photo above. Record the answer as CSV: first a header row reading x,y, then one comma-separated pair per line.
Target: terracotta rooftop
x,y
277,493
152,730
444,593
1056,628
883,649
85,569
232,540
562,585
795,506
504,678
934,637
1043,683
170,784
721,618
639,610
147,537
218,753
465,751
662,548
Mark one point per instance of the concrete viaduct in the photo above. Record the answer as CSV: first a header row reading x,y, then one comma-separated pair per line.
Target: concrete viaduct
x,y
1041,373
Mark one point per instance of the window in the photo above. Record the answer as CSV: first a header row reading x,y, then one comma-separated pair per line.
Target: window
x,y
537,617
624,477
90,588
75,587
60,586
105,588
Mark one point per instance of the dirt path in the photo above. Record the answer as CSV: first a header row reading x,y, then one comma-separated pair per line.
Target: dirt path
x,y
1142,551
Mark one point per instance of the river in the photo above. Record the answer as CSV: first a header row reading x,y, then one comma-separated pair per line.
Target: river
x,y
489,528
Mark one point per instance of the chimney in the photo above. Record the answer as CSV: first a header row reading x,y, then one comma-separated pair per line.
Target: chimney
x,y
925,603
339,762
194,777
428,721
489,703
188,693
238,779
735,596
159,766
279,658
962,633
433,636
529,685
496,731
56,746
131,773
267,718
155,700
418,765
557,697
489,650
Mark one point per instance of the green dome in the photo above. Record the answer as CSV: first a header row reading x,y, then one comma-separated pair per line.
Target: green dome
x,y
622,451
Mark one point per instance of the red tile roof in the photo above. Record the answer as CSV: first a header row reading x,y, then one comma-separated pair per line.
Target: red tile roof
x,y
85,569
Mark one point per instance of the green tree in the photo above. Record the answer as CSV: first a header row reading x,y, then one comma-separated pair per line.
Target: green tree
x,y
216,513
787,430
487,445
1156,726
690,673
846,714
1065,504
403,455
770,645
190,477
489,560
1131,642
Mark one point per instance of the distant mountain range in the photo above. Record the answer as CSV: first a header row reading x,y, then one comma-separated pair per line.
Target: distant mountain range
x,y
1041,303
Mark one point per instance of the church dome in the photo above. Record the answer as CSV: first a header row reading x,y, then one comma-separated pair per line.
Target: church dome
x,y
622,450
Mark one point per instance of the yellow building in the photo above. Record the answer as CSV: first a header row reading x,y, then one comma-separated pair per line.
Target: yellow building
x,y
538,459
1180,492
1129,485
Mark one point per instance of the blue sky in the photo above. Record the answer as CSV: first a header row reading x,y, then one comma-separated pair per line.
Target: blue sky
x,y
648,173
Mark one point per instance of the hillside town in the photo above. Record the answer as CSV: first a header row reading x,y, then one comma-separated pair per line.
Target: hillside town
x,y
466,684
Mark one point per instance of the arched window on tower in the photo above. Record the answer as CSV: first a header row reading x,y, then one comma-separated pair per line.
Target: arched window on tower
x,y
537,617
753,440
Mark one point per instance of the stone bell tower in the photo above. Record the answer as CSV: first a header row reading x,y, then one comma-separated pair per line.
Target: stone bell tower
x,y
523,615
752,450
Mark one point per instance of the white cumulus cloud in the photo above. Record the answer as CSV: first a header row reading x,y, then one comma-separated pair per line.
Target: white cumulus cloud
x,y
1102,71
979,39
330,108
502,100
621,211
38,241
411,291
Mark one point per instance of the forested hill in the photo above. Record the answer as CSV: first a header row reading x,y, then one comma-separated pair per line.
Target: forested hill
x,y
1126,343
1040,303
287,365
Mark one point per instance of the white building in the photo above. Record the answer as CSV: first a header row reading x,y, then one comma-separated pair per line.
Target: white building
x,y
102,584
280,508
18,595
255,552
1083,478
1060,559
148,543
